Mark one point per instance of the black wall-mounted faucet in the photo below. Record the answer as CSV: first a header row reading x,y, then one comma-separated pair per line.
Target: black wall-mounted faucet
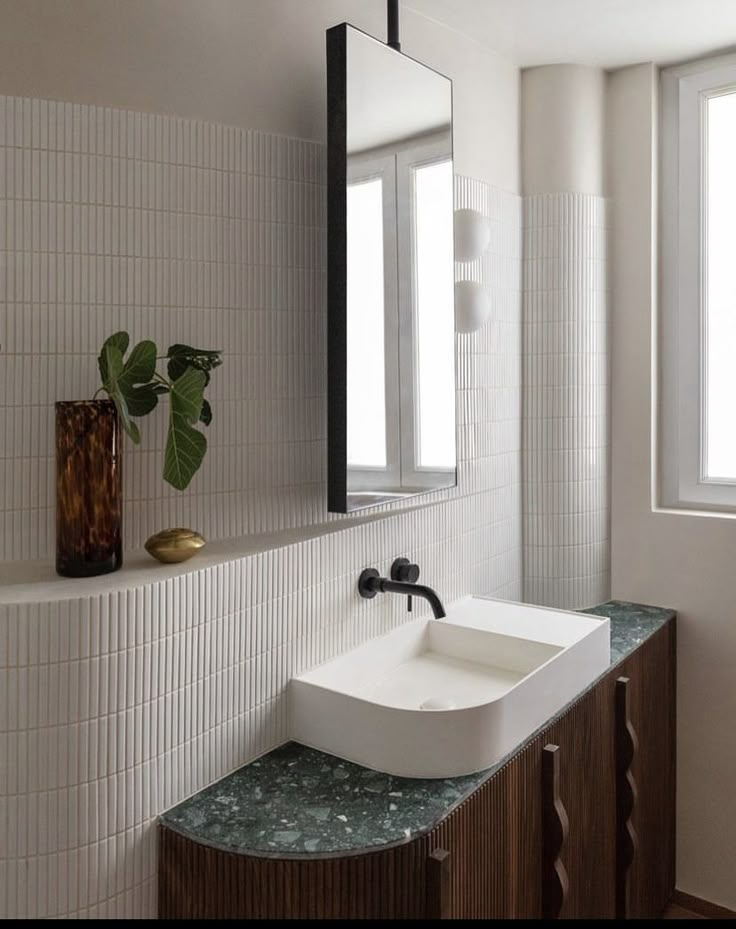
x,y
403,579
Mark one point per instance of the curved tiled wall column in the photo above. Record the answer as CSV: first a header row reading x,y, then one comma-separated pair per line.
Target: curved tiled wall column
x,y
566,402
566,382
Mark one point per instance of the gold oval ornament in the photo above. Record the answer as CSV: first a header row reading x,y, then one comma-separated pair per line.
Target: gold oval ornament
x,y
172,546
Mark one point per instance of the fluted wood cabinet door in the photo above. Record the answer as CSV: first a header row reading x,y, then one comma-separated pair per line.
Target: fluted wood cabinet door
x,y
496,838
651,671
586,784
586,736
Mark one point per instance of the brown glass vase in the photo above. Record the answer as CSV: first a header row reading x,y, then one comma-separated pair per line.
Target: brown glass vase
x,y
89,539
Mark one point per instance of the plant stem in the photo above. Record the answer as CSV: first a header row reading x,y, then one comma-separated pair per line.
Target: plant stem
x,y
162,380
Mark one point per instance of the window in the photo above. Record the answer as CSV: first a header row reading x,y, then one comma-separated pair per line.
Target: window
x,y
425,242
400,334
698,308
434,329
720,293
372,337
366,353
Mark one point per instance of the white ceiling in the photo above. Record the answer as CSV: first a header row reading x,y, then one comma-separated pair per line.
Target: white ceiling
x,y
607,33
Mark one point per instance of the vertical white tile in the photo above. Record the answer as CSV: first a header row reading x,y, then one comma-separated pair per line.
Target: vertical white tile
x,y
566,401
175,229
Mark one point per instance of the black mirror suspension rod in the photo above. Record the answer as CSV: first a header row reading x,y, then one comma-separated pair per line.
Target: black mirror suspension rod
x,y
393,25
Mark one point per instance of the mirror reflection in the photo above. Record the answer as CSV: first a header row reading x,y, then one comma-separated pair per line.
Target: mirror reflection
x,y
400,365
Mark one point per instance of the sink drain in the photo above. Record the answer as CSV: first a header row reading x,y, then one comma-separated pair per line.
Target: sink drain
x,y
437,703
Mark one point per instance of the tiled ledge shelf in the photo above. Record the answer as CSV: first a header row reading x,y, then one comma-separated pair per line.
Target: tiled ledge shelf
x,y
298,802
37,581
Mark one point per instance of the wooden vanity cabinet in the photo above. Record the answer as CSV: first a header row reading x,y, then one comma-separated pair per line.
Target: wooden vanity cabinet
x,y
496,837
486,858
653,700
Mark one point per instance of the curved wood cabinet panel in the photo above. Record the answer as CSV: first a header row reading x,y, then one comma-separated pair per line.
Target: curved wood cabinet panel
x,y
651,700
485,859
626,838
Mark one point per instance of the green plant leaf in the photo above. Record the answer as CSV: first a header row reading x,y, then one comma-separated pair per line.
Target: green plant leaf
x,y
125,421
182,357
176,367
111,362
134,388
126,382
140,366
118,340
188,351
141,400
112,359
185,446
135,379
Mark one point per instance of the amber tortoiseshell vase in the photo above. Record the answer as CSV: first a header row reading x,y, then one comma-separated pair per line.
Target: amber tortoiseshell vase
x,y
88,489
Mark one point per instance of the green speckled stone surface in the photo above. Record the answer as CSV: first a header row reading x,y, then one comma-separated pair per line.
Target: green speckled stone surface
x,y
297,801
631,624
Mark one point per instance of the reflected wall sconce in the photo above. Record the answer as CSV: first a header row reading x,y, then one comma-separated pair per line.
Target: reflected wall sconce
x,y
472,238
472,235
472,306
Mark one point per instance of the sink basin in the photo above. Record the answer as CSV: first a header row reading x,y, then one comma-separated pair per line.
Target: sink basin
x,y
443,698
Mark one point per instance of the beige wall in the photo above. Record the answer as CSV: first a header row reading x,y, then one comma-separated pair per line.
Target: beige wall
x,y
258,64
687,562
563,129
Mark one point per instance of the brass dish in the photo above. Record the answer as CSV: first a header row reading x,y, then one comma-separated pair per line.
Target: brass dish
x,y
174,545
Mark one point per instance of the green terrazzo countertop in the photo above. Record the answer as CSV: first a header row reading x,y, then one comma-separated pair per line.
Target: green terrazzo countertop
x,y
297,801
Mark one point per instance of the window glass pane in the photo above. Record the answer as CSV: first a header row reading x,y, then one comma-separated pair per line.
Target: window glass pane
x,y
434,316
365,349
720,268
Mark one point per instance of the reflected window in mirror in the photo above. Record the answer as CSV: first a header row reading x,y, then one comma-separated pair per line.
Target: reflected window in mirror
x,y
433,336
366,352
391,275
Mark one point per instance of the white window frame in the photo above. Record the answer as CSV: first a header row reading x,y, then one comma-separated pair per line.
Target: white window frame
x,y
363,168
394,165
686,90
426,152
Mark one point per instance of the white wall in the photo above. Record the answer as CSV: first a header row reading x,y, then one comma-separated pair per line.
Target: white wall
x,y
90,762
563,129
686,562
258,64
566,325
213,235
72,732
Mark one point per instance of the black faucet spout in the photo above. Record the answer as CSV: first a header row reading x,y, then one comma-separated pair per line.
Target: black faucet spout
x,y
414,590
371,583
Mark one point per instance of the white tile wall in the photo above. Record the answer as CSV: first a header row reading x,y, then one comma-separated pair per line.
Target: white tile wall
x,y
566,401
185,231
178,231
115,707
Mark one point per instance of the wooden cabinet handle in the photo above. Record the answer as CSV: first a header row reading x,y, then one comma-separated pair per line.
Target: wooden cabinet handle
x,y
438,884
626,795
555,828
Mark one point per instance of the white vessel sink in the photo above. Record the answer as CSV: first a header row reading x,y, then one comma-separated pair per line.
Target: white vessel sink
x,y
442,698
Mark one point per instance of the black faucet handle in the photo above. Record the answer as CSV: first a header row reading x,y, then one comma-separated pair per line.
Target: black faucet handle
x,y
367,583
403,570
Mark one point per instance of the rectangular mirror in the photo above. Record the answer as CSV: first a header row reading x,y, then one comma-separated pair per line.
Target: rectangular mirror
x,y
391,342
